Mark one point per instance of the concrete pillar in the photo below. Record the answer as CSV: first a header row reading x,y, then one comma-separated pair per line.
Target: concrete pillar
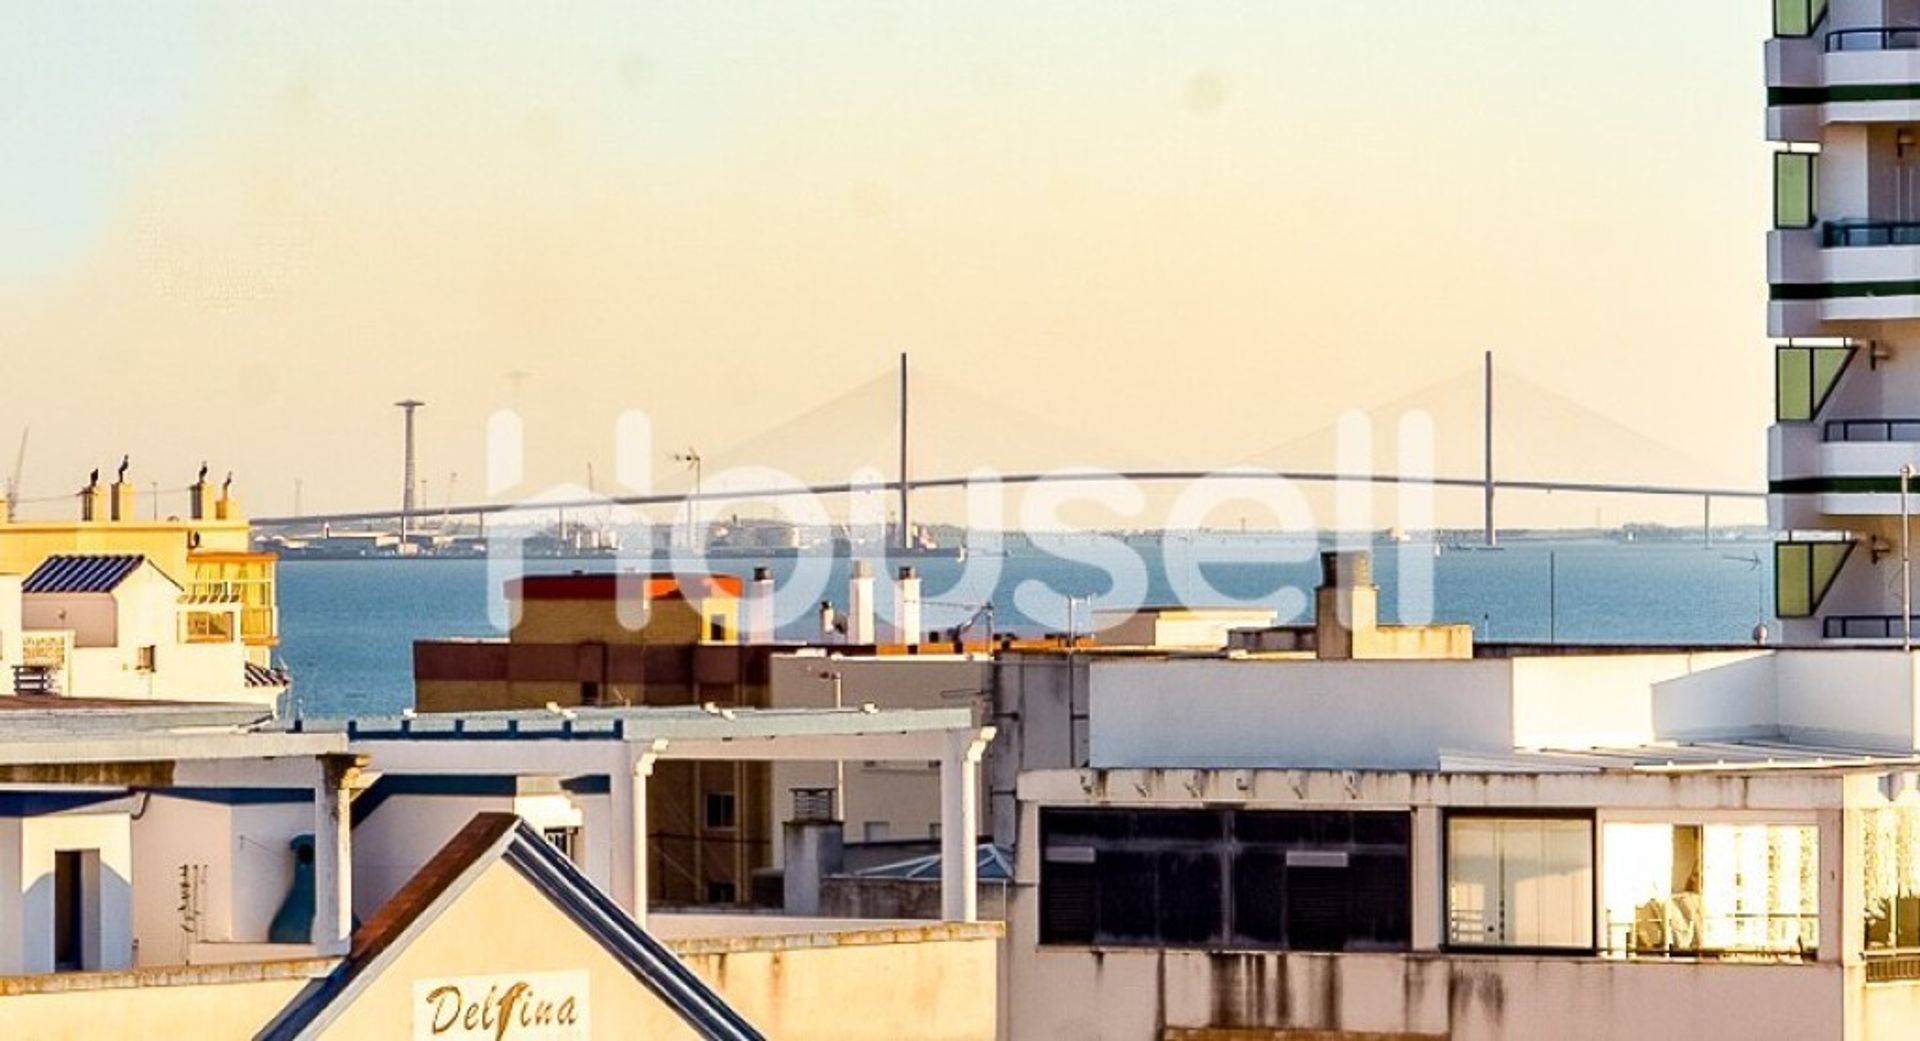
x,y
906,608
760,607
120,497
814,850
860,604
629,796
333,854
1346,606
960,825
1429,903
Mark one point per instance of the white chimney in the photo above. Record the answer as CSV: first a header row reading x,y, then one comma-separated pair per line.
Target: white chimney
x,y
906,607
860,604
760,606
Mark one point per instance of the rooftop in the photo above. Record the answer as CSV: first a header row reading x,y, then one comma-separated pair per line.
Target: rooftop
x,y
83,573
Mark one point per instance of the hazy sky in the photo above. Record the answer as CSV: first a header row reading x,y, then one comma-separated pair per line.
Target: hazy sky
x,y
1183,232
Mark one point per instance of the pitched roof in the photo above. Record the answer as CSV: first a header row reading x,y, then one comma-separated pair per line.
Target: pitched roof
x,y
82,573
488,838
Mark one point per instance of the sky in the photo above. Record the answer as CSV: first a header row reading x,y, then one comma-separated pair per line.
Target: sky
x,y
1105,232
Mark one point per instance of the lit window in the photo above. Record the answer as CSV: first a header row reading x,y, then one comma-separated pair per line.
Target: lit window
x,y
1711,890
1520,882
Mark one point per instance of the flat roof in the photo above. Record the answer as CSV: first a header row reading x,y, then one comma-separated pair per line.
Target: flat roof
x,y
642,723
1737,756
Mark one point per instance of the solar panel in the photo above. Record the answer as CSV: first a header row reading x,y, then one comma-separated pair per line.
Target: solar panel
x,y
82,573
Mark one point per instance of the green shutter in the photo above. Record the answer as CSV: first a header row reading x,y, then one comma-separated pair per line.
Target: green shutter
x,y
1797,17
1803,574
1795,189
1792,564
1804,378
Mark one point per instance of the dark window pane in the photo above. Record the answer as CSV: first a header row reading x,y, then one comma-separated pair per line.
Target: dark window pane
x,y
1191,911
1379,913
1128,911
1179,825
1258,905
1316,914
1068,903
1271,827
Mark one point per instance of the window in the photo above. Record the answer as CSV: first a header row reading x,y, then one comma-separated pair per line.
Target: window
x,y
1890,840
1803,572
717,628
564,839
1699,890
721,893
875,831
1282,880
720,810
1797,17
1804,378
1796,189
1520,882
144,658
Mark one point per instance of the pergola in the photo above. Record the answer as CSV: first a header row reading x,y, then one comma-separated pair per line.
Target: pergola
x,y
623,744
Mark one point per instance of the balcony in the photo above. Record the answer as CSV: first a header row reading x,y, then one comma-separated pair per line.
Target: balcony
x,y
1854,74
1843,270
1865,627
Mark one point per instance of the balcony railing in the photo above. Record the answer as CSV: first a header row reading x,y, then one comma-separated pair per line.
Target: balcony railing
x,y
1893,966
1884,38
1846,234
1867,626
35,680
1873,430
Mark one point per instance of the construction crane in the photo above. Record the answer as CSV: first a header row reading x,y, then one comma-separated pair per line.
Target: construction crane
x,y
13,480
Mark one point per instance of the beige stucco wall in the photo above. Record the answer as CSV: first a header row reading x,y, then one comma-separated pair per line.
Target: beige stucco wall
x,y
502,925
859,986
204,1004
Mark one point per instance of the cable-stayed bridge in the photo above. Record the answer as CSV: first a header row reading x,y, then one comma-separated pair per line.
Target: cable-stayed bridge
x,y
1551,423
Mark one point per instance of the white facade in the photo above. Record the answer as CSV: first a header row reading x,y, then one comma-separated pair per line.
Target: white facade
x,y
1598,844
1844,267
136,641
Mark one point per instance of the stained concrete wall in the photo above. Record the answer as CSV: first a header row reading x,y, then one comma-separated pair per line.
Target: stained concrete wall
x,y
820,980
1126,995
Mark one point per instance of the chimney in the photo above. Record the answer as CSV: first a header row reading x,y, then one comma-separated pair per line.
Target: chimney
x,y
200,497
227,507
93,499
760,606
906,607
860,604
120,495
827,624
1346,606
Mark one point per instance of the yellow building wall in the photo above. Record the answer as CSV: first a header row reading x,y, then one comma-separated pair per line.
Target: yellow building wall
x,y
129,1008
598,621
502,925
942,990
25,544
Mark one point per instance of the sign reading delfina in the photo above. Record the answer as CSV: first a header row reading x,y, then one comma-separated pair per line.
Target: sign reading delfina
x,y
541,1006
